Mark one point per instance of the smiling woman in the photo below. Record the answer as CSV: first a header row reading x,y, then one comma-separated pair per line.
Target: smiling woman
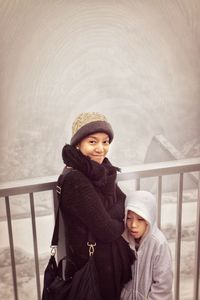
x,y
92,204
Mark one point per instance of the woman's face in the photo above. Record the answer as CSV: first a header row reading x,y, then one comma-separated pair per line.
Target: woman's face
x,y
95,146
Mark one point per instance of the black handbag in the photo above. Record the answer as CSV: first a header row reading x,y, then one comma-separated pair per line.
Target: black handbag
x,y
84,283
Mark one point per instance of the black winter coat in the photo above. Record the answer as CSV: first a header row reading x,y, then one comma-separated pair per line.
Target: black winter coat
x,y
91,200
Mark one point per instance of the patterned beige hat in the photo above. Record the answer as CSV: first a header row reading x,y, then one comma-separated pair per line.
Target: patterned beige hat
x,y
88,123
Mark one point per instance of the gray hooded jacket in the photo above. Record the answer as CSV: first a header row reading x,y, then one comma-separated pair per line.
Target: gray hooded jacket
x,y
152,270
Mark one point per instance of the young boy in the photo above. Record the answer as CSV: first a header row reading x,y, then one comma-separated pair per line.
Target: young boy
x,y
152,269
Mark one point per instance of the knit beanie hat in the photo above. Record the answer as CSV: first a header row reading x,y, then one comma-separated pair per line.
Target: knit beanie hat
x,y
88,123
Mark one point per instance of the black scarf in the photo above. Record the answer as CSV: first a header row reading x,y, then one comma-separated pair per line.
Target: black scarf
x,y
99,174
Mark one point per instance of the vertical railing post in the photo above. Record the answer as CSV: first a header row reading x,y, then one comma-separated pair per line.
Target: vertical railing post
x,y
137,184
197,247
159,197
36,256
12,254
178,237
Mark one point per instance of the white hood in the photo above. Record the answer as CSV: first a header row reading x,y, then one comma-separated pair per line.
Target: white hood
x,y
142,203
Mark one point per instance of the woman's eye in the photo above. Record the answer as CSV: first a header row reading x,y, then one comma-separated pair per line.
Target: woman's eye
x,y
107,142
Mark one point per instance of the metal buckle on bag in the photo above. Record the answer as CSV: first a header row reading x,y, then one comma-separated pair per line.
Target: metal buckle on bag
x,y
91,248
53,250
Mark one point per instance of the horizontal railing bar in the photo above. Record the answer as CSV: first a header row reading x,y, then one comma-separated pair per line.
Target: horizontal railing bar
x,y
160,169
138,171
26,186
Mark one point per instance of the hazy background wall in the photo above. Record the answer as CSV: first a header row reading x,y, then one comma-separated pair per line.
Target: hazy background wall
x,y
136,61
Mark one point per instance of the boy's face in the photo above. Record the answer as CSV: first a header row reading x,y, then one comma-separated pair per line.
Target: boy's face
x,y
136,225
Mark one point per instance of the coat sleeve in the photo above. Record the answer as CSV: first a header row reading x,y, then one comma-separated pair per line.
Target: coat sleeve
x,y
80,200
162,275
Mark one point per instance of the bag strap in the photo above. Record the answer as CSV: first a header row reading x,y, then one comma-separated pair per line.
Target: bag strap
x,y
54,242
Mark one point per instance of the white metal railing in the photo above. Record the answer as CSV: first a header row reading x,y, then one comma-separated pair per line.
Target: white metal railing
x,y
137,174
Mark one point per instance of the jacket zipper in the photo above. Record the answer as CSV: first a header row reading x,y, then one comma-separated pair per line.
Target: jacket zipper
x,y
136,276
